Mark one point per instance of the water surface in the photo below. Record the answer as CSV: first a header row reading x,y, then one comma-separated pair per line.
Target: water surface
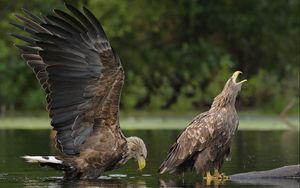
x,y
251,151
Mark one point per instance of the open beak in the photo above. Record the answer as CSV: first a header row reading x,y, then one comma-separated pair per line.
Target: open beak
x,y
142,162
235,75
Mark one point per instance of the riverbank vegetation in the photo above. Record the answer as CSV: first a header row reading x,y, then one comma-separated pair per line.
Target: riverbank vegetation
x,y
177,54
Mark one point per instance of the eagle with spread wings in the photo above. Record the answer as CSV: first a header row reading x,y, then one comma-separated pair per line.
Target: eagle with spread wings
x,y
205,142
82,77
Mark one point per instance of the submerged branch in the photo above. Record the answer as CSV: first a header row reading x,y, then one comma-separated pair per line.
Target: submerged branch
x,y
283,114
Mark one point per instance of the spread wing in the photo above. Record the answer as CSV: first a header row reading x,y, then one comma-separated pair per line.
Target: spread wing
x,y
77,68
199,134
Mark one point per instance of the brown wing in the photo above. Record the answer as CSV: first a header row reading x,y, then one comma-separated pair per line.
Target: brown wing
x,y
198,135
79,71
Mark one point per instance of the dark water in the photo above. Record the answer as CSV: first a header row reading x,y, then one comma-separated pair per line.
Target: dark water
x,y
251,151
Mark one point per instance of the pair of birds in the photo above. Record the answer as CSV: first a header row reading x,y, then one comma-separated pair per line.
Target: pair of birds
x,y
82,77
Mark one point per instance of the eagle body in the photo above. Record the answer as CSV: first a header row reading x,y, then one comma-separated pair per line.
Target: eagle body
x,y
82,77
219,132
108,153
205,142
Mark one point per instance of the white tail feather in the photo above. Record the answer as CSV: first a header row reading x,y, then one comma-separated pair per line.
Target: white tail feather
x,y
41,159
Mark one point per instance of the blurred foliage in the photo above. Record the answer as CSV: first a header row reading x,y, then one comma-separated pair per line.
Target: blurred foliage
x,y
177,54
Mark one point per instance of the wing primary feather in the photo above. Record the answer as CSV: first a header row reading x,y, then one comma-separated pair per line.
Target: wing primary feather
x,y
95,22
61,56
28,30
32,16
83,20
26,39
62,23
31,57
70,19
32,24
51,38
62,42
57,30
68,22
46,46
27,49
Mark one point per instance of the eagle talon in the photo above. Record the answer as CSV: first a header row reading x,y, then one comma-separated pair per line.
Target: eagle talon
x,y
215,179
224,177
220,176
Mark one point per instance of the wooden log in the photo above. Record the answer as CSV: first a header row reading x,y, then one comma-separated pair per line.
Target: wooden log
x,y
287,176
292,171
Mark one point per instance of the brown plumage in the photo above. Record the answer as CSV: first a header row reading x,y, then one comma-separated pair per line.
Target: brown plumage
x,y
82,77
205,142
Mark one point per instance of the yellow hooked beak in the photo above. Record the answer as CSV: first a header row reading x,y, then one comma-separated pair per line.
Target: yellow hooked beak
x,y
142,162
235,75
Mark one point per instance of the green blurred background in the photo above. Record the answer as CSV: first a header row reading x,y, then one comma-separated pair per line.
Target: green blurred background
x,y
177,54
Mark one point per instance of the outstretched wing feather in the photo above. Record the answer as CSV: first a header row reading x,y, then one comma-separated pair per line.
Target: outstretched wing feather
x,y
76,66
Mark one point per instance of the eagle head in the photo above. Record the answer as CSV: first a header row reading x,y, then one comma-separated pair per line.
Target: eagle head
x,y
232,86
137,150
229,92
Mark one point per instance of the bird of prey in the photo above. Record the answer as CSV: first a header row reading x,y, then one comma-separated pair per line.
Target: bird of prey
x,y
205,142
82,77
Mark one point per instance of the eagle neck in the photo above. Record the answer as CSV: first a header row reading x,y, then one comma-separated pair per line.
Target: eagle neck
x,y
223,100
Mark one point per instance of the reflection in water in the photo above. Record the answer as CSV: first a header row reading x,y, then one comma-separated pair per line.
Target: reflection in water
x,y
171,183
103,182
163,183
251,151
196,183
287,143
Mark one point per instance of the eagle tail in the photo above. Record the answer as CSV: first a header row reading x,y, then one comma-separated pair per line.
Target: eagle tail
x,y
162,170
168,164
51,161
41,159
